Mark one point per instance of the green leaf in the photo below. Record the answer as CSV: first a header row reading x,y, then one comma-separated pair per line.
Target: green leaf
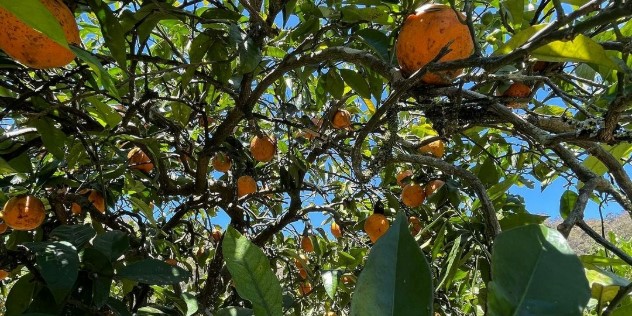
x,y
604,284
249,56
191,305
250,269
535,272
112,244
581,49
106,80
153,272
78,235
58,263
452,263
356,82
618,151
144,208
377,41
52,137
118,307
330,282
567,203
102,271
104,113
518,39
397,267
514,220
20,295
234,311
112,31
34,14
516,10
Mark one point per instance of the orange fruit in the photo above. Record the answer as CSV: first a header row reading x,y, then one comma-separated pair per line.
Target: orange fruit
x,y
415,225
312,133
306,244
97,200
302,273
305,288
375,226
335,230
216,235
298,263
432,186
436,148
263,148
3,228
171,262
209,121
24,212
517,90
246,185
221,162
413,195
346,279
75,208
34,49
423,36
3,274
137,159
403,175
341,119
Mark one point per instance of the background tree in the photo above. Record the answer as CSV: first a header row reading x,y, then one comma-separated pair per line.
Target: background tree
x,y
285,118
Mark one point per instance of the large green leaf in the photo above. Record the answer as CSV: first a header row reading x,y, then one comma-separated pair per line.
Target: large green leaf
x,y
250,269
106,80
567,203
579,49
20,295
618,151
154,272
112,244
112,31
78,235
535,272
53,138
58,263
234,311
330,282
396,279
34,14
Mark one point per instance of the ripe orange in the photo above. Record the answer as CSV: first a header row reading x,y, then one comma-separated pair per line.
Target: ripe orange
x,y
246,185
413,195
3,228
335,230
298,263
346,279
34,49
436,148
75,208
263,148
375,226
303,273
432,186
425,33
306,244
403,175
216,235
308,133
24,212
221,162
97,200
305,288
341,119
415,225
171,262
517,90
3,274
137,159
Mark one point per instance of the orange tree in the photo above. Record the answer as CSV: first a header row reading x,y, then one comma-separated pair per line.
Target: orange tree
x,y
134,146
